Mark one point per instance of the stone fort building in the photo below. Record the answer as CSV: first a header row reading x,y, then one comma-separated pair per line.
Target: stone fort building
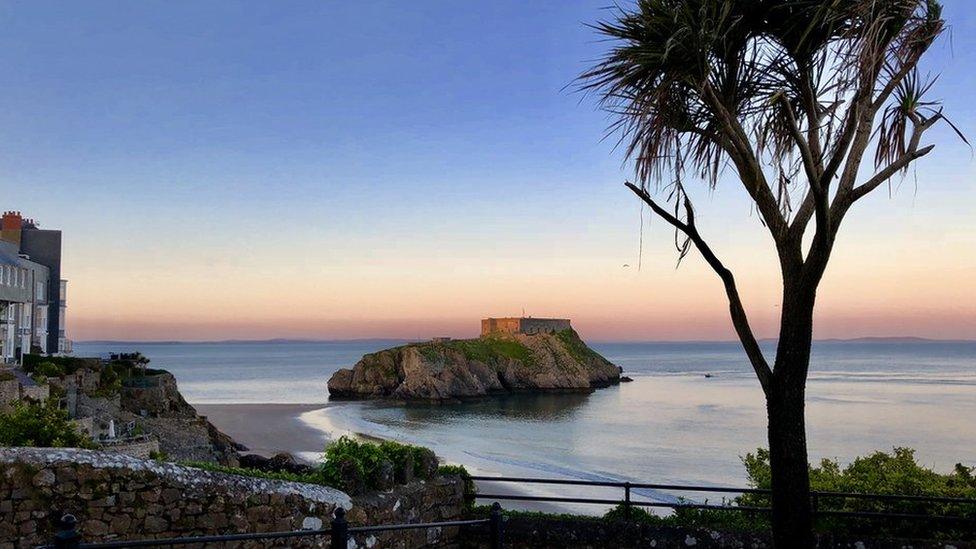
x,y
523,325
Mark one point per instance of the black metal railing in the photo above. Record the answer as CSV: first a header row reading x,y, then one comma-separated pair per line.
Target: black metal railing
x,y
338,533
628,502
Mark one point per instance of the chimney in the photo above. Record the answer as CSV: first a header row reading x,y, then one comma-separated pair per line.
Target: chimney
x,y
10,227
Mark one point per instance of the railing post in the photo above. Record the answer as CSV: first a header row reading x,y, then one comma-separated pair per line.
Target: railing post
x,y
496,525
814,506
340,530
67,536
627,500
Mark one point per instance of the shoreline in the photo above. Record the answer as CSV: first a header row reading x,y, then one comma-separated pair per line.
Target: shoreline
x,y
271,428
267,429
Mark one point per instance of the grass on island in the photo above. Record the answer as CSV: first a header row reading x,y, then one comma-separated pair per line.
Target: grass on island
x,y
576,347
488,350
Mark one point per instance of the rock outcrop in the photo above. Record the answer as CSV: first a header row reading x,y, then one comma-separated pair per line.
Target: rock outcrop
x,y
457,369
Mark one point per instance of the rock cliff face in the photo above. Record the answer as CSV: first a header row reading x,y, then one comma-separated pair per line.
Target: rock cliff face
x,y
443,370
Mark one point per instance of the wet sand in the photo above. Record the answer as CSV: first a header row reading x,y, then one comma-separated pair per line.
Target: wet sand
x,y
266,429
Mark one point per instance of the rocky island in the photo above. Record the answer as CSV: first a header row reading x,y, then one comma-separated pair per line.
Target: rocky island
x,y
513,355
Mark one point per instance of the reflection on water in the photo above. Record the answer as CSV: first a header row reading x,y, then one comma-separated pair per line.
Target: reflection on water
x,y
516,408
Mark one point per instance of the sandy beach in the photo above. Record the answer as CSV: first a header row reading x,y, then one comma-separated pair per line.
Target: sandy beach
x,y
267,429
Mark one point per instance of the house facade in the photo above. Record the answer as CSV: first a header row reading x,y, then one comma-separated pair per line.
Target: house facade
x,y
32,294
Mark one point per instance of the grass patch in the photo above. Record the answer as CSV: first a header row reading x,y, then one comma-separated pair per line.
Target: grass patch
x,y
491,349
576,348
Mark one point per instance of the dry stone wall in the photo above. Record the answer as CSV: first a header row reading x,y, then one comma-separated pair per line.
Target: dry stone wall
x,y
117,497
439,499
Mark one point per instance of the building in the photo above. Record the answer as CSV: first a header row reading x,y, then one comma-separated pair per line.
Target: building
x,y
32,293
523,325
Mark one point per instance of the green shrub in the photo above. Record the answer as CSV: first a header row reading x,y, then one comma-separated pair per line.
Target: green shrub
x,y
365,457
66,364
43,425
879,473
49,369
634,514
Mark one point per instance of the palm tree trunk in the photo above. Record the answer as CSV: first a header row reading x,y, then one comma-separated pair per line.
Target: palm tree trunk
x,y
792,519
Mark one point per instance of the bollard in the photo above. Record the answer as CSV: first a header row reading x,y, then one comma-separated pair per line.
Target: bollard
x,y
67,536
340,530
496,522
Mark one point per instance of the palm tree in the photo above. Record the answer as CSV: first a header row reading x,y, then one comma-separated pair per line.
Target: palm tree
x,y
788,95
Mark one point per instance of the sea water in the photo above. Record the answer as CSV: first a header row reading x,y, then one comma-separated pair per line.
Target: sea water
x,y
691,412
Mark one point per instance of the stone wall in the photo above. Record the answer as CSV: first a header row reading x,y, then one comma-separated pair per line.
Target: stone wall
x,y
523,325
9,393
436,500
141,447
157,396
118,497
37,393
522,531
121,497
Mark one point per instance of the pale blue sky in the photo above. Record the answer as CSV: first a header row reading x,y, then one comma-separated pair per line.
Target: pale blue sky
x,y
407,154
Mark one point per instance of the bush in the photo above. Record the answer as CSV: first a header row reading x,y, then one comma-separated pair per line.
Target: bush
x,y
879,473
355,466
48,369
42,425
65,364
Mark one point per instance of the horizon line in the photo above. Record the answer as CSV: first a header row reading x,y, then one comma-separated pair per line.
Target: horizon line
x,y
865,339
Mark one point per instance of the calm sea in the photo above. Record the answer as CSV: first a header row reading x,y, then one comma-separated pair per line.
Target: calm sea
x,y
672,424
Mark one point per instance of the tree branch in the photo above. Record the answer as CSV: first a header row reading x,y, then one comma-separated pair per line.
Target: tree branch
x,y
912,153
809,163
750,171
889,171
739,318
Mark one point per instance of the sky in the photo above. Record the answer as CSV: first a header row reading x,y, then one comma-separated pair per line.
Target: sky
x,y
334,170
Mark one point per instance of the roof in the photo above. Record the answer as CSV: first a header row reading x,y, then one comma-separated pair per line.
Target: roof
x,y
9,255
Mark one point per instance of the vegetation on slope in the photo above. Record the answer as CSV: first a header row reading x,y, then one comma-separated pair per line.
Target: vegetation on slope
x,y
576,347
488,349
40,424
